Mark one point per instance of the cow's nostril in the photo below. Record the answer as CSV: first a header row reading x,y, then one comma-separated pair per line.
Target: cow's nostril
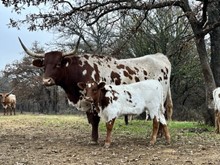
x,y
48,81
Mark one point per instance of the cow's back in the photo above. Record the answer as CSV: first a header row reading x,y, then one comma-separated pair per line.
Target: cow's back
x,y
136,97
12,100
124,71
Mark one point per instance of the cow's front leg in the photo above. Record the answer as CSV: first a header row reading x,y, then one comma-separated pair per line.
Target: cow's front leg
x,y
14,110
7,111
109,126
155,131
94,119
10,111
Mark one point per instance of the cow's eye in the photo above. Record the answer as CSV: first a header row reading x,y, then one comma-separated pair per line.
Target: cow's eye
x,y
94,90
58,65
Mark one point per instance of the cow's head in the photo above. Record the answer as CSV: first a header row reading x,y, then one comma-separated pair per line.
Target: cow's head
x,y
3,97
54,63
92,90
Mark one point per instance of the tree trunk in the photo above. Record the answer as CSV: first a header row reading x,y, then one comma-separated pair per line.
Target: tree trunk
x,y
209,79
214,14
197,28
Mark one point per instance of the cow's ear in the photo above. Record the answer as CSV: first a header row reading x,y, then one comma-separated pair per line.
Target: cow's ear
x,y
66,62
38,63
101,85
81,85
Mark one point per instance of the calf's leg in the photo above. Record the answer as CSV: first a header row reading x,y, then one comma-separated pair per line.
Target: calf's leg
x,y
94,120
109,126
167,133
155,131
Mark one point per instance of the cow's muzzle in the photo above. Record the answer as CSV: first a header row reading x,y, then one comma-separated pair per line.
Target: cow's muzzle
x,y
48,81
88,99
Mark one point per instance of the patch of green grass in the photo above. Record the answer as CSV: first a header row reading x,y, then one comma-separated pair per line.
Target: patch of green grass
x,y
135,128
142,127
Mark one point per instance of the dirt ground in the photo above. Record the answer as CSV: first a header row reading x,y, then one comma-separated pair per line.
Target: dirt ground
x,y
41,143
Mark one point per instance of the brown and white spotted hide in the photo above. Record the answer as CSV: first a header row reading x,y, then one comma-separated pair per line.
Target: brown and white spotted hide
x,y
8,102
112,101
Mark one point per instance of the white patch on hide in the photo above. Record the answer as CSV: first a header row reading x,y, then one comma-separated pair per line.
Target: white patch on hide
x,y
84,72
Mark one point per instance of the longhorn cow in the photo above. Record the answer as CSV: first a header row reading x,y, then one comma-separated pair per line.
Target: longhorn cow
x,y
66,69
8,101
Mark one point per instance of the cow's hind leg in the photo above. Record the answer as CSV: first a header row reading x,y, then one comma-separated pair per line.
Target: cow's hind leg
x,y
169,105
94,119
155,131
126,119
10,110
109,126
14,110
217,121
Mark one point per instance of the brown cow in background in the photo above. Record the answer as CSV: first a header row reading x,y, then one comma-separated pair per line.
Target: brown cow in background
x,y
8,101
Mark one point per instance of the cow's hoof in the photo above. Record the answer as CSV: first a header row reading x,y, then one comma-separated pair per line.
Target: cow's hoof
x,y
107,145
93,143
152,143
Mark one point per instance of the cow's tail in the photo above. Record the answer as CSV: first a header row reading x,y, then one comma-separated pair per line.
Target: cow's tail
x,y
169,105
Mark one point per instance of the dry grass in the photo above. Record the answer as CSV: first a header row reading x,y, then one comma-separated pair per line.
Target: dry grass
x,y
63,140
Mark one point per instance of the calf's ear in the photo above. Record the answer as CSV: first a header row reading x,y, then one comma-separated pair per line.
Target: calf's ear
x,y
81,85
101,85
38,63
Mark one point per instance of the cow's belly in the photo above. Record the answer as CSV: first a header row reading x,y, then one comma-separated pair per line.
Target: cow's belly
x,y
114,111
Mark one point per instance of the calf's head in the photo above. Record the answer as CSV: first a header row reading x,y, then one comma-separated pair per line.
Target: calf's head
x,y
92,90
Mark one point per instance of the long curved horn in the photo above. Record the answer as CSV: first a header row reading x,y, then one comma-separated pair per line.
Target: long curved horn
x,y
74,51
11,91
29,52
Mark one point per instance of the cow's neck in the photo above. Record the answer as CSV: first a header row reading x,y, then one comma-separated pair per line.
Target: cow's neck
x,y
72,94
102,101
